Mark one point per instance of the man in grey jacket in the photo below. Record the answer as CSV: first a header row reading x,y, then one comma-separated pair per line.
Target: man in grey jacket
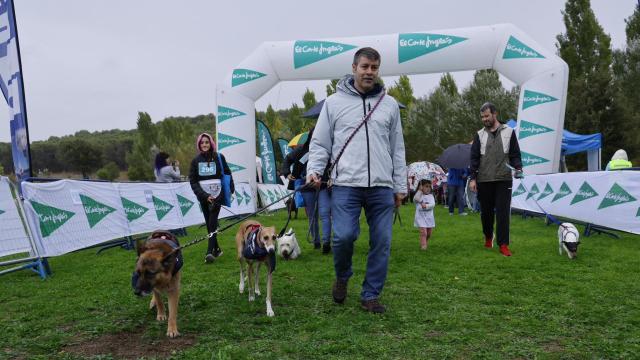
x,y
370,172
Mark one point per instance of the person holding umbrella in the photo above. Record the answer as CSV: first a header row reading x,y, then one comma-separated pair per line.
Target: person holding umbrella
x,y
494,147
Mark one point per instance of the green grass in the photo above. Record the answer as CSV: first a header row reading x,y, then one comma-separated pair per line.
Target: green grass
x,y
457,300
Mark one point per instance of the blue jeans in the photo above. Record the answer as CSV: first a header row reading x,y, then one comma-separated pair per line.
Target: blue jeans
x,y
456,193
346,205
324,213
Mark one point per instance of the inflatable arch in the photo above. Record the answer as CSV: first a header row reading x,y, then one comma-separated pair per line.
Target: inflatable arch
x,y
541,74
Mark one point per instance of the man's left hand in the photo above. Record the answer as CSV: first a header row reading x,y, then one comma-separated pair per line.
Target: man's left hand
x,y
398,198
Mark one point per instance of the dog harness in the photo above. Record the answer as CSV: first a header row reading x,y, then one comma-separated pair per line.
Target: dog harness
x,y
174,243
253,251
572,246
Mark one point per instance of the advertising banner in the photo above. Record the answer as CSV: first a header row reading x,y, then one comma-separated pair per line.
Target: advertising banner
x,y
14,237
267,154
271,192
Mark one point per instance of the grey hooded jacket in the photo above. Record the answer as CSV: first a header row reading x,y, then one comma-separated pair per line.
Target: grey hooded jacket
x,y
375,156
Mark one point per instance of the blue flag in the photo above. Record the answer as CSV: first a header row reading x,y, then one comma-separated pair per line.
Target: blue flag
x,y
266,154
12,88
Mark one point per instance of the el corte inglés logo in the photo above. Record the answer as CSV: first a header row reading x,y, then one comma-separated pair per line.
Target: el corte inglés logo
x,y
584,193
533,98
241,76
225,140
616,196
519,191
546,192
185,204
530,159
534,190
530,129
162,207
516,49
225,113
235,167
414,45
309,52
50,218
562,192
132,210
95,210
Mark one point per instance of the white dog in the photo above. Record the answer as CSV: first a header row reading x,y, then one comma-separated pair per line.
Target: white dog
x,y
288,246
568,239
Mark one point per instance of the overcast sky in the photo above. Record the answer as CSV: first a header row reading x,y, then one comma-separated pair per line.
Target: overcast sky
x,y
94,64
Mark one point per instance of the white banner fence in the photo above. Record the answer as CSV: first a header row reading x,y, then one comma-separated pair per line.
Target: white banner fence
x,y
604,198
14,238
68,215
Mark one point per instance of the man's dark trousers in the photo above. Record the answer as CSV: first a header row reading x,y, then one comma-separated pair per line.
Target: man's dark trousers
x,y
495,202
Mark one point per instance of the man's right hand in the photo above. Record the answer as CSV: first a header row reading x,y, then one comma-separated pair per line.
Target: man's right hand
x,y
291,177
473,186
314,180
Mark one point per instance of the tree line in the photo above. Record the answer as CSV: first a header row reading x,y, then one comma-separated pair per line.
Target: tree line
x,y
602,97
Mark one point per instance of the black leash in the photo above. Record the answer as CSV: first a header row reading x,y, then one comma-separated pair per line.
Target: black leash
x,y
243,218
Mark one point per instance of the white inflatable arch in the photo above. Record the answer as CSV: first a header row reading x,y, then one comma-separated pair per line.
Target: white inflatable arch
x,y
541,74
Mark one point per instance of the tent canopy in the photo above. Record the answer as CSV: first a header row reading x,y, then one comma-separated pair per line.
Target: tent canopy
x,y
574,143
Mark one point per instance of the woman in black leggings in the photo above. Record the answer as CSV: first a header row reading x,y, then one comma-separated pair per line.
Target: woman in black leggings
x,y
205,176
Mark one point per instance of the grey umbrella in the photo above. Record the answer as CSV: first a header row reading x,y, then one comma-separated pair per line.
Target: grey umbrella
x,y
456,156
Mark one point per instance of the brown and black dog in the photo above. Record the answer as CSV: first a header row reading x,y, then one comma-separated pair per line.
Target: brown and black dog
x,y
256,243
158,271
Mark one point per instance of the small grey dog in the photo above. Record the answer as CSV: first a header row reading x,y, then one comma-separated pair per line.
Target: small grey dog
x,y
568,240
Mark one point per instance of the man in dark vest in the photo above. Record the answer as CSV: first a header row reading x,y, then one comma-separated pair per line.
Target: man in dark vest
x,y
494,147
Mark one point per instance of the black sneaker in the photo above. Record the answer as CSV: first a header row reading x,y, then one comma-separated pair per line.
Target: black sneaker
x,y
316,246
339,291
217,253
209,258
326,248
373,306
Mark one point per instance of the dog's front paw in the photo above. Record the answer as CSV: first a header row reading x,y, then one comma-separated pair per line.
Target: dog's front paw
x,y
270,313
152,303
161,317
172,332
252,297
257,292
241,288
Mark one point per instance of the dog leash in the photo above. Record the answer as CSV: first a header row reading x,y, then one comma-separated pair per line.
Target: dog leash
x,y
218,231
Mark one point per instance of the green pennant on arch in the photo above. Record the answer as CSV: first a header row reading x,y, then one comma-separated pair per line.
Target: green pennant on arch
x,y
516,49
533,98
2,212
414,45
235,167
185,204
307,52
132,210
584,193
225,141
241,76
528,128
562,192
226,113
95,211
616,196
247,197
50,218
530,159
162,207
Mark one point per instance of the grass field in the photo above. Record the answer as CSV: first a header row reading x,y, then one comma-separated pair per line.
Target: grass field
x,y
457,300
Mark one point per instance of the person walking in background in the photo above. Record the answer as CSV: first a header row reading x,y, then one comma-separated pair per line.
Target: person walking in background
x,y
494,147
619,160
205,174
424,218
359,132
294,168
456,182
165,170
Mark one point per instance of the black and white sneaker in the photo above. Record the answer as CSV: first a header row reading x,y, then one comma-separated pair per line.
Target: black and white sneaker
x,y
217,253
209,258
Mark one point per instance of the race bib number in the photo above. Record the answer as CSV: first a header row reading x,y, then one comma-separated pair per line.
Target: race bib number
x,y
211,187
206,169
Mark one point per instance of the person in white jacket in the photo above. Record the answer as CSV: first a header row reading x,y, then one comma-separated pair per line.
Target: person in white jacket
x,y
369,172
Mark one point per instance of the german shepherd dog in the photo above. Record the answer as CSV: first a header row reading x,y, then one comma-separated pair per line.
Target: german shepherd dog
x,y
256,243
158,271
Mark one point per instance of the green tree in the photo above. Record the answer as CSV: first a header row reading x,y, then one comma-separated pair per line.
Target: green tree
x,y
487,87
273,121
308,99
587,50
403,93
80,155
626,104
332,87
140,160
108,172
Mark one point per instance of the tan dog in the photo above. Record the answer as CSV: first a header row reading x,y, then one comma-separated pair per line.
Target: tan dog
x,y
256,243
157,272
